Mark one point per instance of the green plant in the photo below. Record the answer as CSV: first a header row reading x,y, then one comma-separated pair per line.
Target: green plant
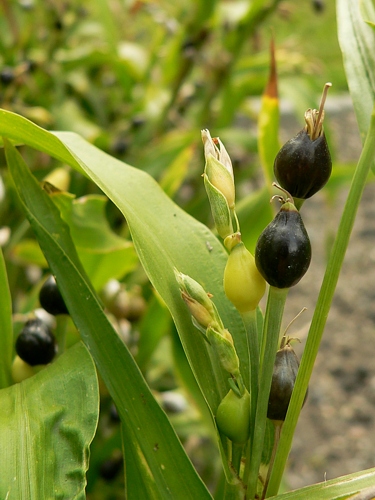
x,y
220,343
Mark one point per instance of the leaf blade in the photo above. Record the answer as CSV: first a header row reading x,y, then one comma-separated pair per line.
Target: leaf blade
x,y
171,468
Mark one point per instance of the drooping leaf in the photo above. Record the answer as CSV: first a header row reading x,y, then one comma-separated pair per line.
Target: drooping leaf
x,y
170,468
47,423
164,237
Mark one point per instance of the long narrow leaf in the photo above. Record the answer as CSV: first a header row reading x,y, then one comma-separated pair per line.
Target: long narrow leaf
x,y
164,237
171,469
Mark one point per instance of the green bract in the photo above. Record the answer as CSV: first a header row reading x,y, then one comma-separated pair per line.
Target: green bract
x,y
243,284
233,417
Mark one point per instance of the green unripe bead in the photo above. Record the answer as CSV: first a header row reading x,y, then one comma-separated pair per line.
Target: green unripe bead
x,y
233,417
243,284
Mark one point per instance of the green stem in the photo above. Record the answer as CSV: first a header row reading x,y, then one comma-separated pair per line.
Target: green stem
x,y
236,457
250,322
323,306
271,331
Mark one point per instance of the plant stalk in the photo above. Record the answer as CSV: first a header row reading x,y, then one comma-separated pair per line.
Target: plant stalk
x,y
271,331
323,305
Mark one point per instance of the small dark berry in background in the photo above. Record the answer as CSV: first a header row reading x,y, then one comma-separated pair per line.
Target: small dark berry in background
x,y
7,75
51,299
111,467
36,344
318,5
113,413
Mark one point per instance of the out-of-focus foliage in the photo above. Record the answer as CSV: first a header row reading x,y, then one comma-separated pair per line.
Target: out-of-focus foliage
x,y
139,79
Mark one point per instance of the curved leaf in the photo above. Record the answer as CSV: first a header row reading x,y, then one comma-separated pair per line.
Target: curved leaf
x,y
46,425
171,470
104,254
164,237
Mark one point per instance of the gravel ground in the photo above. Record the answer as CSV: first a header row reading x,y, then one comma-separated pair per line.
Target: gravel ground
x,y
336,431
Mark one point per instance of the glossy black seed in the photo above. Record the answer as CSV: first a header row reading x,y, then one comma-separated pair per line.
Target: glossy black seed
x,y
6,75
111,467
302,166
51,299
36,344
283,250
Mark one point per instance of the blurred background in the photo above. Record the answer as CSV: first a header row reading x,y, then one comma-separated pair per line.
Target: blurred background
x,y
140,79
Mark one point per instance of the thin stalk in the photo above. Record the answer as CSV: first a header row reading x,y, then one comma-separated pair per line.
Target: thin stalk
x,y
278,425
250,322
323,306
271,331
237,450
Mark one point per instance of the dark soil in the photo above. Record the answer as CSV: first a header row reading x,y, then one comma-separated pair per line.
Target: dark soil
x,y
336,432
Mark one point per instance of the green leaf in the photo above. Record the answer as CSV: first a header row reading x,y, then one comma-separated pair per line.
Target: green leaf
x,y
27,252
170,467
357,42
336,489
6,329
104,254
164,237
47,423
174,175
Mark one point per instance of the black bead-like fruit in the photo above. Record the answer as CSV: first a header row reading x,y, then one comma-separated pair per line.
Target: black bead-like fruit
x,y
283,250
36,343
303,166
111,467
283,379
7,75
51,299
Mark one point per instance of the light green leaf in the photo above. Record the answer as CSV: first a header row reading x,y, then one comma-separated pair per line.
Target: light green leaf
x,y
164,237
174,175
336,489
357,42
104,254
47,423
27,252
6,329
170,468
